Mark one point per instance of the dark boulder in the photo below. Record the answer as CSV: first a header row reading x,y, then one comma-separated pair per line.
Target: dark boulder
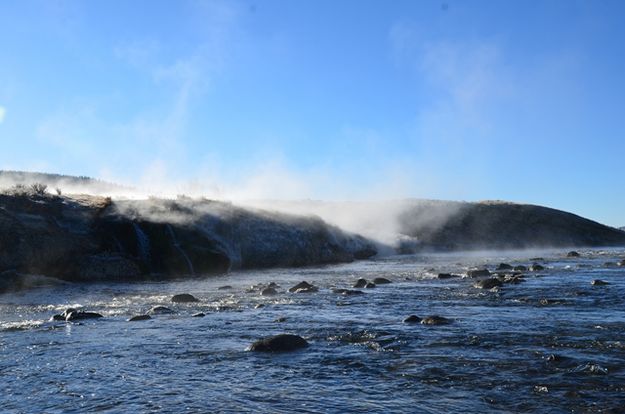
x,y
536,268
621,263
198,315
360,283
57,318
572,253
445,276
381,281
370,285
139,318
478,273
435,320
303,287
504,266
520,268
226,287
487,283
268,291
412,319
184,298
81,315
279,343
160,310
599,282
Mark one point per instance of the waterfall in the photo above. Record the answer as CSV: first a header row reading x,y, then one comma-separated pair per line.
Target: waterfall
x,y
143,243
179,248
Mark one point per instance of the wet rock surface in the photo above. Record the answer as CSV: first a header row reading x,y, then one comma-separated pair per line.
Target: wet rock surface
x,y
184,298
139,318
488,283
304,287
435,320
279,343
94,239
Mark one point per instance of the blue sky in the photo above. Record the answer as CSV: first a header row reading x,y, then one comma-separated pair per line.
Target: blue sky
x,y
470,100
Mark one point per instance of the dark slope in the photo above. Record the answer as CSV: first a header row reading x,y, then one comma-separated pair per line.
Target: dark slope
x,y
90,238
443,225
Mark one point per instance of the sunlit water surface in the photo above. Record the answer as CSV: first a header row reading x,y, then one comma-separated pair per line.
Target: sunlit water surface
x,y
493,357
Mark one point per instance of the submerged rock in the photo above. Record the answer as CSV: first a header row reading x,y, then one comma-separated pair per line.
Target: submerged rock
x,y
279,343
445,276
599,282
139,318
198,315
572,253
348,292
381,281
160,310
478,273
303,287
504,266
520,268
360,283
184,298
536,267
370,285
487,283
412,319
225,287
435,320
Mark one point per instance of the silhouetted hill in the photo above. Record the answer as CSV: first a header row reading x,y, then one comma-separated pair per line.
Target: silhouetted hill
x,y
445,225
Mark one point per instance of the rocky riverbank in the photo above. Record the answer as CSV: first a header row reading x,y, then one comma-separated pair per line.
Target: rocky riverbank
x,y
91,238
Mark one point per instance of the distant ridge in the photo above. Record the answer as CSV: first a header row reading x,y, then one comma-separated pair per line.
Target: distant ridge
x,y
66,183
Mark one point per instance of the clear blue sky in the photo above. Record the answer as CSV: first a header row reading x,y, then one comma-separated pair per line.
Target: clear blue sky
x,y
514,100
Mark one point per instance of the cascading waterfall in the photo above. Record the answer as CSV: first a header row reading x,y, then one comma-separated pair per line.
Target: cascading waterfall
x,y
143,243
174,241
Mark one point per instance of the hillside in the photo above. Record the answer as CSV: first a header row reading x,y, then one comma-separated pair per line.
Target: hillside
x,y
444,225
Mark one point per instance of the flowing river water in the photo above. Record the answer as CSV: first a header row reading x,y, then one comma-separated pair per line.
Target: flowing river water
x,y
554,343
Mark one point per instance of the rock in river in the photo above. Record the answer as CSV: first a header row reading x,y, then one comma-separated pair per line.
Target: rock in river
x,y
184,298
445,276
487,283
268,291
412,319
435,320
504,266
139,318
160,310
348,292
360,283
478,273
80,315
279,343
381,281
599,282
536,267
303,287
572,253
